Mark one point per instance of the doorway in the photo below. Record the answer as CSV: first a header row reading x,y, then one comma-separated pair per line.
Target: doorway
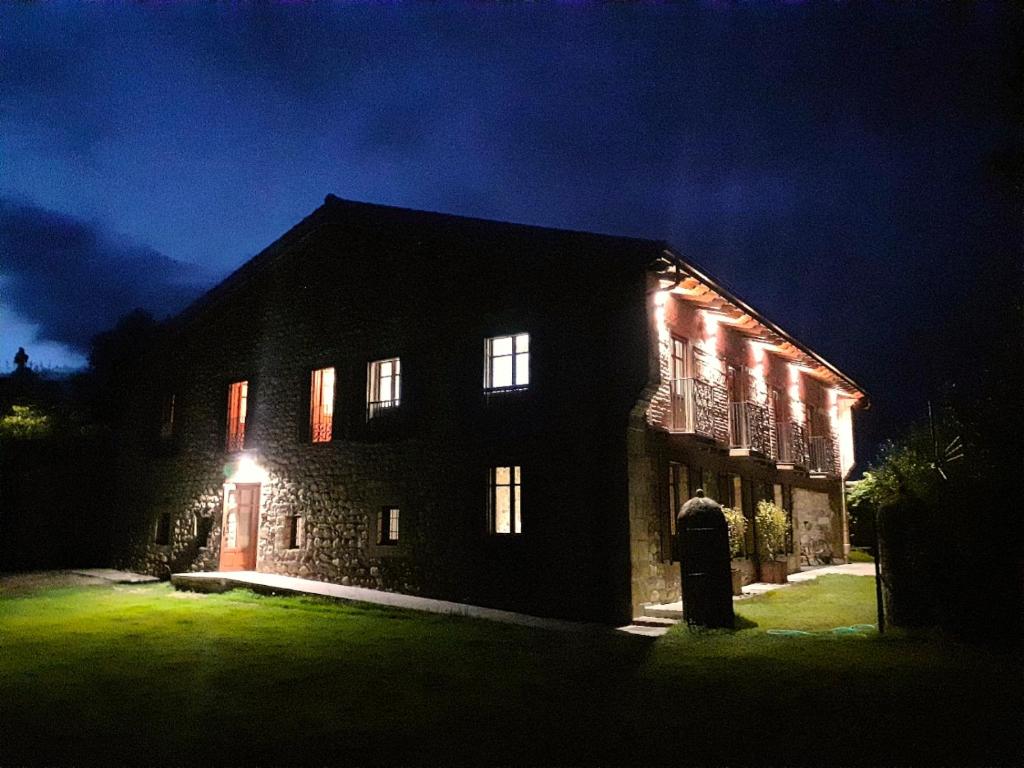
x,y
240,527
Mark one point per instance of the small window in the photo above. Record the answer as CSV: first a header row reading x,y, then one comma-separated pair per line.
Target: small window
x,y
201,530
321,405
388,528
167,418
238,395
383,386
163,530
504,500
292,531
507,362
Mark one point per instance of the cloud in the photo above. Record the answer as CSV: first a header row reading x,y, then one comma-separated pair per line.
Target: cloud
x,y
73,279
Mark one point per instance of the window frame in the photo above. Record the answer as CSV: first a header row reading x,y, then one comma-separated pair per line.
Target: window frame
x,y
163,530
168,404
235,422
317,404
519,360
376,405
515,511
389,529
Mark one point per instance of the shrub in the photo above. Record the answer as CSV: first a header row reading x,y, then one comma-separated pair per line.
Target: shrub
x,y
737,530
24,423
770,520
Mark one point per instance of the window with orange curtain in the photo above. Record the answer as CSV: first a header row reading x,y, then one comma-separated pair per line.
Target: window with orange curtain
x,y
238,395
321,405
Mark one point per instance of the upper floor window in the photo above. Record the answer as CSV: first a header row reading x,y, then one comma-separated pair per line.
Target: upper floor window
x,y
507,362
321,405
383,386
238,395
504,500
167,418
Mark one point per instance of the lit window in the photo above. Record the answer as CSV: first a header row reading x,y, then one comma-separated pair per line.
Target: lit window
x,y
321,405
167,418
238,394
504,500
507,362
388,530
383,386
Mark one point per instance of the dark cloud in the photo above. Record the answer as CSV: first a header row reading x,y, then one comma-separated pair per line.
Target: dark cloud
x,y
75,279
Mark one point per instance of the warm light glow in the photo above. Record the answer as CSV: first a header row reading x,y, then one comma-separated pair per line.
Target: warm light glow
x,y
321,405
796,406
246,470
710,340
757,374
833,406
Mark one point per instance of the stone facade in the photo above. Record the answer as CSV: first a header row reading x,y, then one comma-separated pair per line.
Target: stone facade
x,y
354,283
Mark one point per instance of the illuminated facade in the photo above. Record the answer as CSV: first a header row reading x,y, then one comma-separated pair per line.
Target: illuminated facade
x,y
476,411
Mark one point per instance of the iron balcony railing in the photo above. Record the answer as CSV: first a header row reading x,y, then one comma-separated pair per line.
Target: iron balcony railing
x,y
693,407
822,456
378,407
749,427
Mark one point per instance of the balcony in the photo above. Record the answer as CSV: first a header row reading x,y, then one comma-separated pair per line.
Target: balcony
x,y
693,406
822,455
749,428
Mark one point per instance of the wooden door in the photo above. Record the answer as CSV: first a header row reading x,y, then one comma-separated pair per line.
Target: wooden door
x,y
240,528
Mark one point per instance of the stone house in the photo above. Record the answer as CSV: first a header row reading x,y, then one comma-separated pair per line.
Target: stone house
x,y
472,410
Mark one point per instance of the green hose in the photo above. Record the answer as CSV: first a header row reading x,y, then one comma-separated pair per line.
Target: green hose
x,y
856,629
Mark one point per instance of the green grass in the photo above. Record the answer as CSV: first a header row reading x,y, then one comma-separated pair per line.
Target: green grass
x,y
860,556
146,675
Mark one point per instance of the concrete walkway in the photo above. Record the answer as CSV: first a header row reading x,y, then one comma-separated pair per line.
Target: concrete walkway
x,y
117,577
273,584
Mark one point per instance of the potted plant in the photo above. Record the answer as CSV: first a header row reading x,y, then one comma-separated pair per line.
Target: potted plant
x,y
770,523
737,524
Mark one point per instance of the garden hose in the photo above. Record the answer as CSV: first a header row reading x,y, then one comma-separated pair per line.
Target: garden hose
x,y
856,629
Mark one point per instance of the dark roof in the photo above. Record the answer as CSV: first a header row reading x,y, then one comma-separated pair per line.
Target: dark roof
x,y
645,252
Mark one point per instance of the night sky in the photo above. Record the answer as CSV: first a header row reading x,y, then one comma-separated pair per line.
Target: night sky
x,y
848,170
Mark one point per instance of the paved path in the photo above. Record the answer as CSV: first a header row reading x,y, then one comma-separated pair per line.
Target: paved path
x,y
271,583
117,577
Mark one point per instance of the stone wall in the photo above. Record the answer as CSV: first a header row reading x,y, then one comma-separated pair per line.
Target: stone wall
x,y
817,527
340,291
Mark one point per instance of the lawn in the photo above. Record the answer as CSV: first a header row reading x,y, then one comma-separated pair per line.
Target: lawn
x,y
143,674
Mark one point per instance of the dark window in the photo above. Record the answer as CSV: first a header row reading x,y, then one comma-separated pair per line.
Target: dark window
x,y
678,494
167,418
238,395
710,485
203,524
388,528
292,531
505,513
163,529
678,491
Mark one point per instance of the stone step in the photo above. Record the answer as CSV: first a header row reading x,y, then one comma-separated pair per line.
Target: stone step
x,y
654,621
663,612
644,631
